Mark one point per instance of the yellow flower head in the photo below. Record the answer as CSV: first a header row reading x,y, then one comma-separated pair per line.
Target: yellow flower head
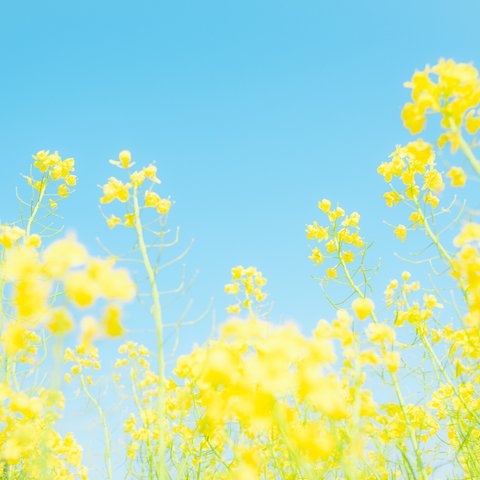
x,y
448,88
163,206
324,205
10,235
113,221
380,333
401,232
111,321
363,307
115,190
316,256
457,176
60,321
151,173
124,160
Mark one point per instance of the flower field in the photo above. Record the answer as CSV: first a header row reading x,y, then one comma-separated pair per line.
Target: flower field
x,y
387,388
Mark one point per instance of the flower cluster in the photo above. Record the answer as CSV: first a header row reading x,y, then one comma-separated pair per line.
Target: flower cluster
x,y
54,168
420,181
246,285
30,447
116,189
340,236
450,89
65,264
278,389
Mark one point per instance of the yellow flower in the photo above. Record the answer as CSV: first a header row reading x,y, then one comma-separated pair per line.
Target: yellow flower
x,y
454,91
392,198
71,180
113,221
316,256
63,191
129,220
124,159
470,232
472,124
317,232
21,264
233,309
60,321
335,214
111,321
331,272
331,246
152,199
237,272
163,206
10,235
413,117
431,199
363,307
62,255
416,218
457,176
392,361
151,173
30,297
115,189
380,333
352,220
80,288
33,241
14,338
433,181
90,330
324,205
232,288
44,160
401,232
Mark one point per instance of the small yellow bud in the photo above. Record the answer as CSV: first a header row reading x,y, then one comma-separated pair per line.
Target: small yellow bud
x,y
125,156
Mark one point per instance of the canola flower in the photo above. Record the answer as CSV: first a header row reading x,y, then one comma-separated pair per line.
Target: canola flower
x,y
387,388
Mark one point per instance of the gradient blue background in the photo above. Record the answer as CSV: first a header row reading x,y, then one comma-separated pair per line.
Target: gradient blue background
x,y
253,111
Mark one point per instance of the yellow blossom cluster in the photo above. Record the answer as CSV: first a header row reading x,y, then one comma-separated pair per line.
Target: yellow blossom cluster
x,y
65,263
116,189
342,232
246,285
260,378
450,89
143,426
54,168
29,445
419,181
83,357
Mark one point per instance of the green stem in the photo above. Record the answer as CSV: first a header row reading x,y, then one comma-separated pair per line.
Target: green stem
x,y
433,236
465,147
108,459
150,454
469,154
35,208
157,315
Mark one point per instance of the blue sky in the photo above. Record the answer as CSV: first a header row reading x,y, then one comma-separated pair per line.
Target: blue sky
x,y
253,111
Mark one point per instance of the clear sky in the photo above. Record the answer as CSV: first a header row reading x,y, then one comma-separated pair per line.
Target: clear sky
x,y
253,111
